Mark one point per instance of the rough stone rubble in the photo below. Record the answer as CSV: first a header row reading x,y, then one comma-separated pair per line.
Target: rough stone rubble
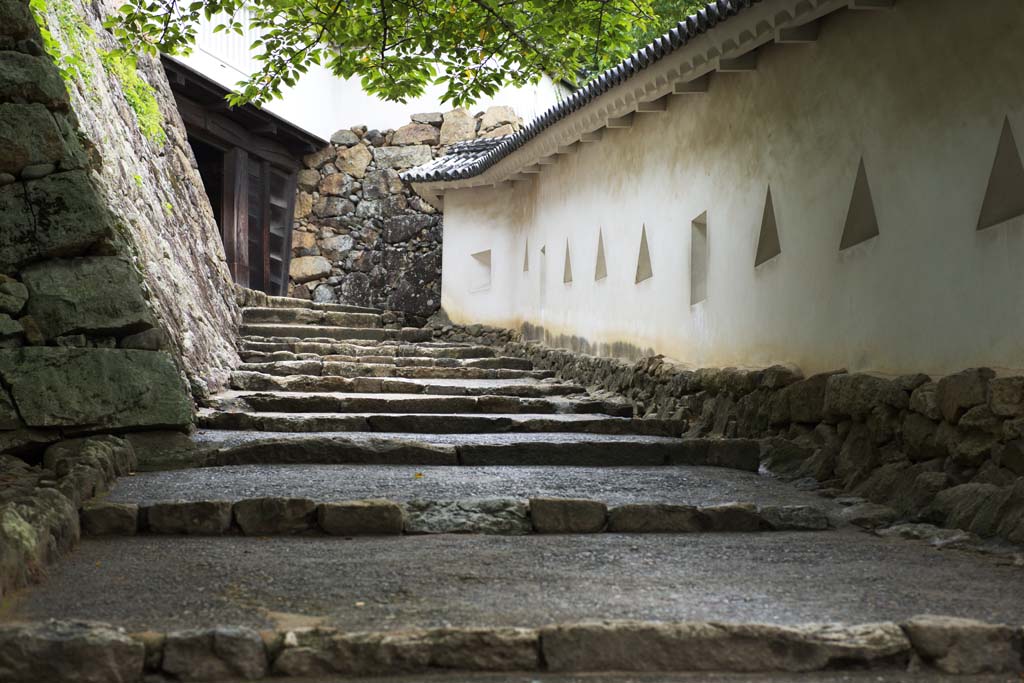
x,y
362,236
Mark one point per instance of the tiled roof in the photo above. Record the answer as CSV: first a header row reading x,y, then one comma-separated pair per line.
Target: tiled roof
x,y
466,160
461,156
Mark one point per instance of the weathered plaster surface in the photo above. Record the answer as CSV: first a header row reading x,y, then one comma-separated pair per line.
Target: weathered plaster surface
x,y
920,93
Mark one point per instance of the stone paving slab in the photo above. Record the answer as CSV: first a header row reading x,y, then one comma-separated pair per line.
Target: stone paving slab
x,y
699,486
450,580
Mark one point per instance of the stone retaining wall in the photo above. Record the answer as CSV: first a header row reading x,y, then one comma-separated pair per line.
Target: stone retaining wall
x,y
362,236
65,652
949,451
39,505
145,174
286,516
80,337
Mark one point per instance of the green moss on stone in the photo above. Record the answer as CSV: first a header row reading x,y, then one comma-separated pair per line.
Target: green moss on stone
x,y
69,47
140,95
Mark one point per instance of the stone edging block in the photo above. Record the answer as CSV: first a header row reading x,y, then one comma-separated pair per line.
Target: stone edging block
x,y
81,651
286,516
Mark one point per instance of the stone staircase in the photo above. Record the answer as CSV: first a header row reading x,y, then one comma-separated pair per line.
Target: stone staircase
x,y
366,501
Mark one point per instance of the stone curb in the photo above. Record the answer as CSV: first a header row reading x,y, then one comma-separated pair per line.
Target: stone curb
x,y
76,652
289,516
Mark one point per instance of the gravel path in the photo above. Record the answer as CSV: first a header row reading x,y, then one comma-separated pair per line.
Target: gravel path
x,y
385,583
614,485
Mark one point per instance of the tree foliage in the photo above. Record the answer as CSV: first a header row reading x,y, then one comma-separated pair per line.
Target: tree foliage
x,y
398,47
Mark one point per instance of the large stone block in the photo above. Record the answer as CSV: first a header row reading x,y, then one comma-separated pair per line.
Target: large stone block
x,y
68,652
28,136
401,157
416,134
93,294
856,395
458,126
206,517
965,646
641,518
502,516
59,215
1006,396
361,518
100,518
95,388
402,228
309,268
13,296
568,516
28,79
958,393
223,653
682,647
266,516
354,160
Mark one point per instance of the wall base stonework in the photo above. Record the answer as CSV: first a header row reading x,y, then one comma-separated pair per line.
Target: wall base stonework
x,y
947,451
362,236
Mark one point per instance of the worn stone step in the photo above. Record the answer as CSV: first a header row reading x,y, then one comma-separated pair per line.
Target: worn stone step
x,y
386,348
291,515
289,333
499,362
541,652
692,485
433,423
522,387
352,402
336,369
789,579
289,302
223,447
287,362
306,316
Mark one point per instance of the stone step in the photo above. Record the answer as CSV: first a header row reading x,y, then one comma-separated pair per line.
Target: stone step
x,y
285,516
496,362
433,423
288,302
722,601
223,447
306,316
392,349
691,485
657,651
352,402
317,368
522,387
293,333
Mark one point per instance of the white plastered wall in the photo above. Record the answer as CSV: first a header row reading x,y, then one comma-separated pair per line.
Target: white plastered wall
x,y
921,92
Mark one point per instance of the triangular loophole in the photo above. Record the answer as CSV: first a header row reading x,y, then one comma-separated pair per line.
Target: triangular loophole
x,y
643,260
526,256
861,221
567,270
1004,197
768,246
601,268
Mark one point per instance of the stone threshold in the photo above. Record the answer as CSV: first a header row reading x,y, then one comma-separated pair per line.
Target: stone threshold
x,y
75,652
269,516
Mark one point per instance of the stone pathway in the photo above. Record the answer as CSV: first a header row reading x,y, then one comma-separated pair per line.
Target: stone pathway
x,y
251,524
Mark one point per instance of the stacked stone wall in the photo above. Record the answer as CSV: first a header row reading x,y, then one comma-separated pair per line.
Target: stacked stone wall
x,y
362,236
80,339
143,168
948,451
